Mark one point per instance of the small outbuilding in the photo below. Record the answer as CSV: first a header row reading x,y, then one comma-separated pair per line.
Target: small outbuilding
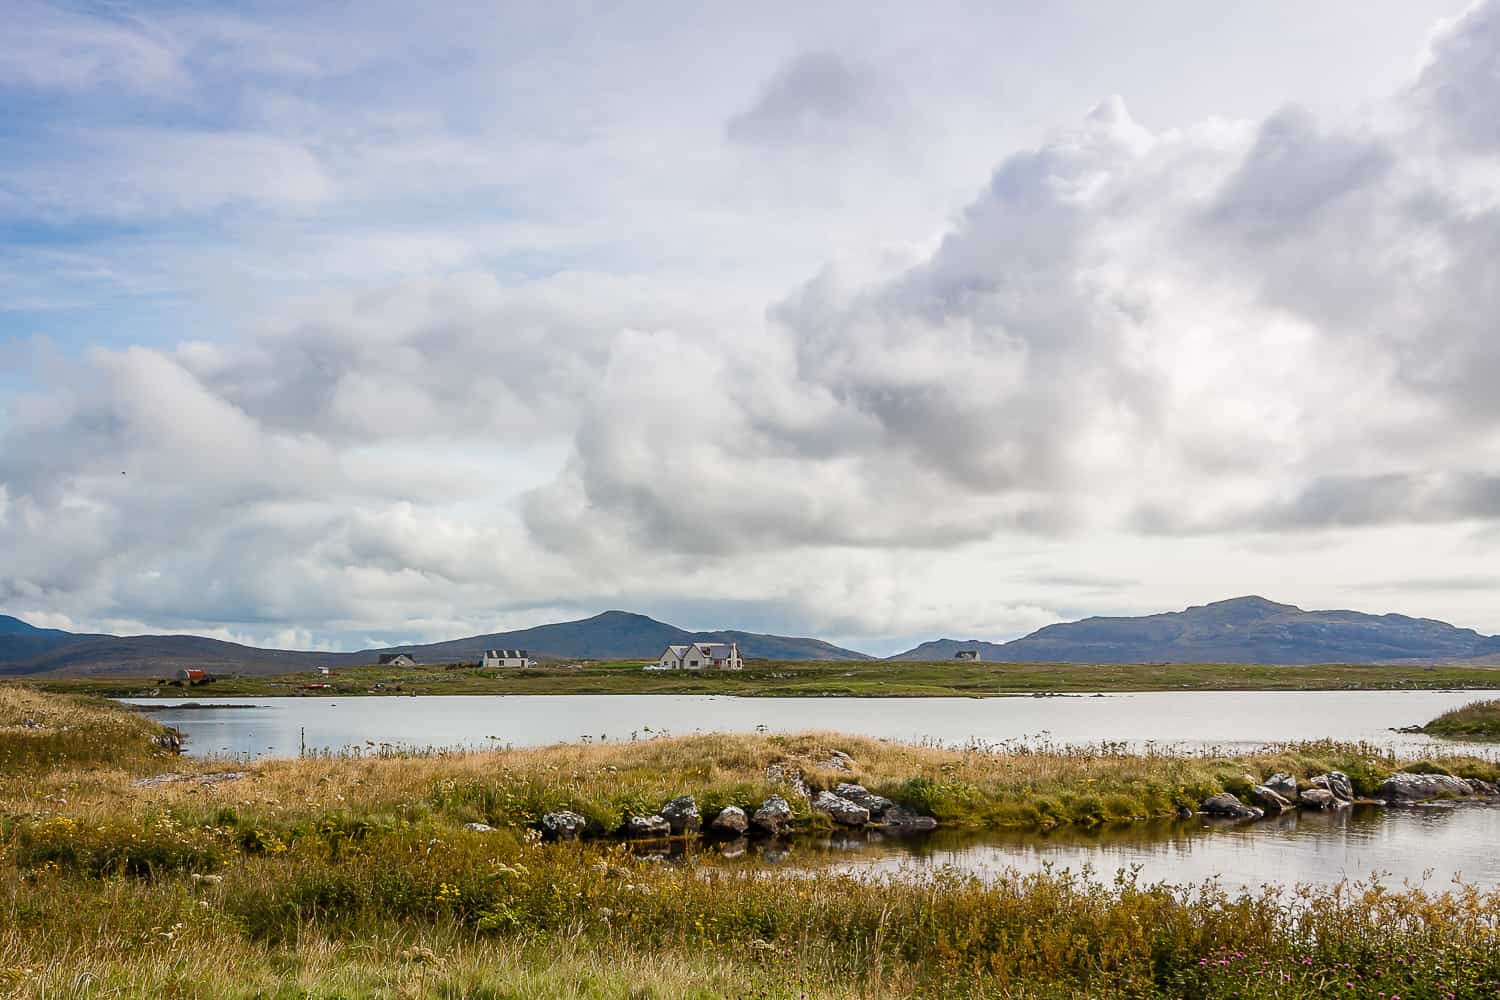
x,y
967,654
396,660
498,659
189,676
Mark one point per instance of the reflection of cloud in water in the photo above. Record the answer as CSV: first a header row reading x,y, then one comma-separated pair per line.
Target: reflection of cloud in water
x,y
1432,844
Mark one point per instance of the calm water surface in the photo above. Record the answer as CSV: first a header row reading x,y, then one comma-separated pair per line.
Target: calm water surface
x,y
1187,720
1427,845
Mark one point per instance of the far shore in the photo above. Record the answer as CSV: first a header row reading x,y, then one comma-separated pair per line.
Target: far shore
x,y
791,679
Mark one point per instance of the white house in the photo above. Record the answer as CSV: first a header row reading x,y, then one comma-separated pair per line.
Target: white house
x,y
499,658
700,656
966,654
397,660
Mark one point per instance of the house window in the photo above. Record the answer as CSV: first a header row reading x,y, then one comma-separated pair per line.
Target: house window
x,y
693,663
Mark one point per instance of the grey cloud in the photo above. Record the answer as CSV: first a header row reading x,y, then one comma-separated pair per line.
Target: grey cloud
x,y
1459,88
1350,500
1438,584
818,97
1293,174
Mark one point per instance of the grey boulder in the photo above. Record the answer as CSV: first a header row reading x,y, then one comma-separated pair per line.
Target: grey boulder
x,y
1482,787
1318,798
563,825
1404,787
837,760
841,809
681,814
643,827
731,822
1284,785
1266,798
906,820
861,796
1336,782
1225,804
773,815
479,828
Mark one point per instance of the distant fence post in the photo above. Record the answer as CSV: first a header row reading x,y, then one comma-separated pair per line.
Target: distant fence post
x,y
302,751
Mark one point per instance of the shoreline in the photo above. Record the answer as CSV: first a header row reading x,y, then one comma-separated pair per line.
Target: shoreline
x,y
804,678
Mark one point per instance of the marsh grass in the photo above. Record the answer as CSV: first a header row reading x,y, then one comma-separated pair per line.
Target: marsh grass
x,y
1478,720
42,732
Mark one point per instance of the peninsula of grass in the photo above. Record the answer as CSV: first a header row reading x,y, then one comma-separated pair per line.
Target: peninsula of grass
x,y
357,876
1478,721
805,678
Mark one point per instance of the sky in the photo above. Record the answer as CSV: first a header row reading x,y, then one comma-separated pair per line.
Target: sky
x,y
340,325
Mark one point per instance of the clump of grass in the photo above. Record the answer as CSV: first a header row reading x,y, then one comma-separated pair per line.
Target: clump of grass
x,y
43,732
1478,720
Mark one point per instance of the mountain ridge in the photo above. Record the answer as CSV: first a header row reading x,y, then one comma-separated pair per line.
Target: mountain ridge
x,y
1238,630
28,651
1249,629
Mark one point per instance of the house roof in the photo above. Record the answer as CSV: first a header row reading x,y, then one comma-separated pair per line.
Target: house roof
x,y
712,650
505,654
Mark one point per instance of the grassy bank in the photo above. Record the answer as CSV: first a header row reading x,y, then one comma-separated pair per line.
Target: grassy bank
x,y
356,877
811,678
1478,720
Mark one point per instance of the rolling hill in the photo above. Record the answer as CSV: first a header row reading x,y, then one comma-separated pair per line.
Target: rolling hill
x,y
1241,630
613,635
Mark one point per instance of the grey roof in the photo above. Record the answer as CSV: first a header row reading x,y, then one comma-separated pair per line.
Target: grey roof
x,y
505,654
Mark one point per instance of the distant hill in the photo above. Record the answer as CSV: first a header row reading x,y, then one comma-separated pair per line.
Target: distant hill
x,y
613,635
622,635
1242,630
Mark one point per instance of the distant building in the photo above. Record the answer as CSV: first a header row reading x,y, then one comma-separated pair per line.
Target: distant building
x,y
324,671
397,660
966,654
700,656
192,675
499,659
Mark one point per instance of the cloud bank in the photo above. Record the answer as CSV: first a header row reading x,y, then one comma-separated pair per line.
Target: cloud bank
x,y
1265,338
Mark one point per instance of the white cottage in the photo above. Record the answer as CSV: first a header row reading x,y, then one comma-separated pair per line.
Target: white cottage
x,y
500,658
700,656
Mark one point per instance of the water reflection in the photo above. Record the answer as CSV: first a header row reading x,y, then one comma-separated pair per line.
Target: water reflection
x,y
1433,844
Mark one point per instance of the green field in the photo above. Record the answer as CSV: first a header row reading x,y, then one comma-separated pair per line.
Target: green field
x,y
805,678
